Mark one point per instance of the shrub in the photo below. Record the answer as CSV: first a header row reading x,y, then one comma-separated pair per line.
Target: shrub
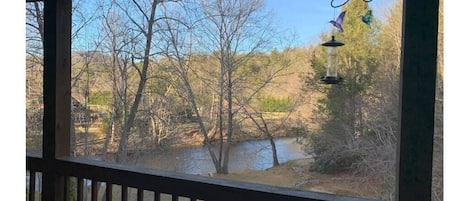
x,y
272,104
330,154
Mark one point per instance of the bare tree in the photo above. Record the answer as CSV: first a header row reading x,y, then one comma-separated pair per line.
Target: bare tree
x,y
35,32
272,69
178,36
234,31
143,16
117,44
34,70
264,128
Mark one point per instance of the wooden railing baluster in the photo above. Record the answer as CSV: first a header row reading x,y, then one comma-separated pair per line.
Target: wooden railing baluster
x,y
174,198
66,188
79,189
94,190
139,194
124,193
108,191
32,185
157,196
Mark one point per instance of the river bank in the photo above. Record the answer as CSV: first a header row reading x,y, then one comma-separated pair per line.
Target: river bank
x,y
251,161
296,174
193,138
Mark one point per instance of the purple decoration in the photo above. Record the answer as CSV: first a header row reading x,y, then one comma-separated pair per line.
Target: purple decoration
x,y
338,22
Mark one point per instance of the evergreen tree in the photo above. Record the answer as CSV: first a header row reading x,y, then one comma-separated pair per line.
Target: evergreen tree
x,y
341,110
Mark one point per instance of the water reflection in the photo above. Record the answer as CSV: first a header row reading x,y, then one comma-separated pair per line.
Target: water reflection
x,y
255,155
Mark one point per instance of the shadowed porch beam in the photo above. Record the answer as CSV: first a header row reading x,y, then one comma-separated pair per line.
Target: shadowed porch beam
x,y
57,92
417,100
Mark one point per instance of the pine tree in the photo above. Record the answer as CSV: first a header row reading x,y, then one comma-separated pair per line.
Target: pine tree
x,y
341,111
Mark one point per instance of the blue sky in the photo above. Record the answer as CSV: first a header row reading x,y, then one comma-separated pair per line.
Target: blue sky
x,y
306,18
309,18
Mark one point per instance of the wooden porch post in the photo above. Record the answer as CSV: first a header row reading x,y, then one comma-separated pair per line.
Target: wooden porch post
x,y
57,92
417,100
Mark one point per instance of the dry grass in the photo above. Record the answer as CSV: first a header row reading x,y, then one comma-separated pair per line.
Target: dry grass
x,y
296,174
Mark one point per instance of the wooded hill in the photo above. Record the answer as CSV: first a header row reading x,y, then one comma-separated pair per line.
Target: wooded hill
x,y
92,87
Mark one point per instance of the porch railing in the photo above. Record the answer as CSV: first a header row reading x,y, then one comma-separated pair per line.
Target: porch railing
x,y
177,186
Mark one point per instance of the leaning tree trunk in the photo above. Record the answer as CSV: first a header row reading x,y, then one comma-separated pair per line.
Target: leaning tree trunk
x,y
122,151
272,143
267,132
202,128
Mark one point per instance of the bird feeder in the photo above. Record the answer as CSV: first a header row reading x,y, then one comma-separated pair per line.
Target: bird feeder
x,y
332,62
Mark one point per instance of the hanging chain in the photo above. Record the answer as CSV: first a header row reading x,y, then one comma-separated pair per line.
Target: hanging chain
x,y
345,2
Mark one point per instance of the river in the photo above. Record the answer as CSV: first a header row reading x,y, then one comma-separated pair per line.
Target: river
x,y
255,154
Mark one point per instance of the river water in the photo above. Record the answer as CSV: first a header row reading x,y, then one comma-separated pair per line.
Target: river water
x,y
255,155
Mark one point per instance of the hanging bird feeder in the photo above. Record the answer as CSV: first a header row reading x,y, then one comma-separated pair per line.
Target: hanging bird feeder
x,y
332,62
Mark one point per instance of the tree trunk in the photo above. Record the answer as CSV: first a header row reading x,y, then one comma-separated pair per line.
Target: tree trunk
x,y
202,128
109,135
272,143
220,113
265,129
73,138
229,132
122,151
274,151
87,111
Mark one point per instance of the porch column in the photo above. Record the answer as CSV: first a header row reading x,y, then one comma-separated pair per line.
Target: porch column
x,y
57,92
417,100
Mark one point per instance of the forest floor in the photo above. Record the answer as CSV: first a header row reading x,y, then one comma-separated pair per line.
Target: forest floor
x,y
296,174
